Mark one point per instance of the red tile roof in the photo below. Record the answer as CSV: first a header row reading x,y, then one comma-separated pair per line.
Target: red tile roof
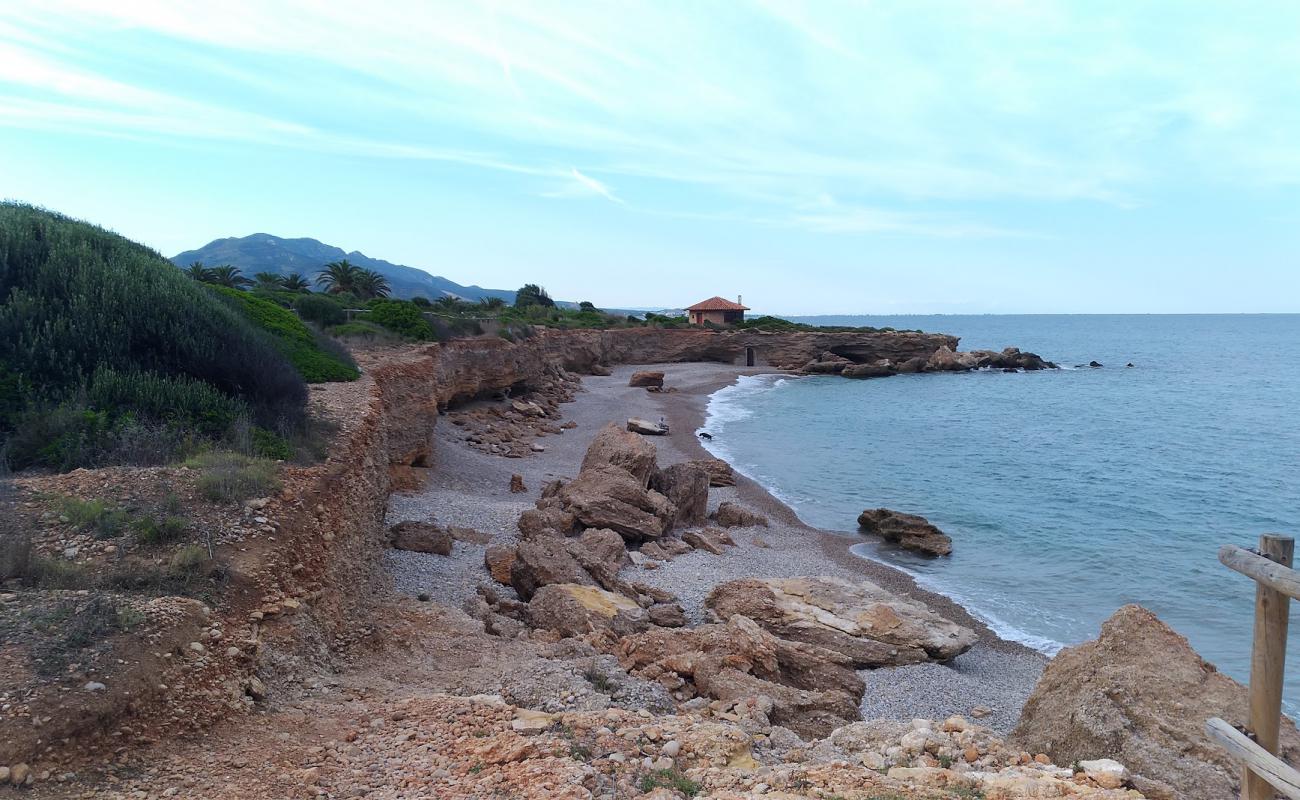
x,y
717,304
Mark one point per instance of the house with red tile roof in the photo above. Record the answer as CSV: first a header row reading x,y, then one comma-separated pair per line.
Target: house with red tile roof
x,y
716,310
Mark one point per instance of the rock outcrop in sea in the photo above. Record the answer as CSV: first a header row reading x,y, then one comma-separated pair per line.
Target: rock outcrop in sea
x,y
909,531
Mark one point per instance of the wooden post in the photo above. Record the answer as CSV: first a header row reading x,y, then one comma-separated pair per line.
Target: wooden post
x,y
1267,663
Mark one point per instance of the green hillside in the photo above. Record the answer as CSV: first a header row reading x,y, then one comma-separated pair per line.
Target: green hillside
x,y
108,353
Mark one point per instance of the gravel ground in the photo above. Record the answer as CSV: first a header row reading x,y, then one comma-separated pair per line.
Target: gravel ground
x,y
470,488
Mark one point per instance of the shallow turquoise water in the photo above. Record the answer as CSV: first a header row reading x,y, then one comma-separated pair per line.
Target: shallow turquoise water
x,y
1067,493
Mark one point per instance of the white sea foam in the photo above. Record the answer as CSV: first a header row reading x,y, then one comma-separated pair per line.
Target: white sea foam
x,y
1004,629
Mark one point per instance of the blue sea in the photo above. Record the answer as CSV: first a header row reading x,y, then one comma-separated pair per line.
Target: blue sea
x,y
1067,493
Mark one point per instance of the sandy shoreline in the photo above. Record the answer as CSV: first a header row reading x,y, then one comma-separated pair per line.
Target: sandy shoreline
x,y
470,488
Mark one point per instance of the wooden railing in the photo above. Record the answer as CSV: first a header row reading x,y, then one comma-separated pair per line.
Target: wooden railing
x,y
1276,583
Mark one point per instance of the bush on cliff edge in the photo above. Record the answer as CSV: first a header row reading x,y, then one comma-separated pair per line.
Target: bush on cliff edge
x,y
108,352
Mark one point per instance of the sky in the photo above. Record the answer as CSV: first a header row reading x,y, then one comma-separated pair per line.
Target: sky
x,y
913,156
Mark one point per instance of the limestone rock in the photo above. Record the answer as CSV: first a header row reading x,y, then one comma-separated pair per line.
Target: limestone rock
x,y
517,484
878,369
908,531
614,446
719,471
865,623
946,360
667,615
707,540
574,610
740,660
646,428
550,519
498,561
665,549
611,497
543,561
731,515
421,537
686,485
601,553
1140,695
647,378
1105,772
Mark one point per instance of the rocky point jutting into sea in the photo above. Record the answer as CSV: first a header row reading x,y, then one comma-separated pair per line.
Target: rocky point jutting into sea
x,y
532,601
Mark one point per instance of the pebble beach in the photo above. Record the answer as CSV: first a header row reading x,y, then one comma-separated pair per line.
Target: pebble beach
x,y
470,488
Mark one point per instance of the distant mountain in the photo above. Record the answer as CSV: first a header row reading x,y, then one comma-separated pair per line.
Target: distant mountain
x,y
263,252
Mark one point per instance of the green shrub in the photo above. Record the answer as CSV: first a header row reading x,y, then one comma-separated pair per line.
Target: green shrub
x,y
268,445
292,337
56,573
69,628
360,329
76,300
231,477
320,309
400,317
70,435
669,779
148,530
106,521
178,400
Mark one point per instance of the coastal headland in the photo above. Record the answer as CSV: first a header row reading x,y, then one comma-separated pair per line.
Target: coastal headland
x,y
486,589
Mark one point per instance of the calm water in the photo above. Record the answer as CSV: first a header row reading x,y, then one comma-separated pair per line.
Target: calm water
x,y
1067,493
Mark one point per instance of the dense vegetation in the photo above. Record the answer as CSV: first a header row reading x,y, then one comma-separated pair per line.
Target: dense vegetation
x,y
316,357
108,353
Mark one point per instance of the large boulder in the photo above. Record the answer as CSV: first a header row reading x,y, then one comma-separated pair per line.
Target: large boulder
x,y
549,519
421,537
611,497
543,561
908,531
601,553
575,610
614,446
647,378
1140,695
732,515
811,690
946,360
867,624
719,471
686,485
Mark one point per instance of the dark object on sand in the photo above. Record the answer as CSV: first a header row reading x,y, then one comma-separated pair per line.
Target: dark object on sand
x,y
706,435
422,597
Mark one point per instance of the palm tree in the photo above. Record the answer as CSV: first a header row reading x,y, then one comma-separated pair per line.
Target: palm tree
x,y
228,276
295,282
197,271
371,284
530,294
339,277
492,303
268,280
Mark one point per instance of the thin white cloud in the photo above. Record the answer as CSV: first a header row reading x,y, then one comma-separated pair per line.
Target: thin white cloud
x,y
582,185
734,111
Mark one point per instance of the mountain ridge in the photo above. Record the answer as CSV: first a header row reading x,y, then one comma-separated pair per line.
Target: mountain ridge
x,y
265,252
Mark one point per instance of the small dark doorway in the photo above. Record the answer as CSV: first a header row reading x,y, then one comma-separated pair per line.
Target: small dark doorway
x,y
749,356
